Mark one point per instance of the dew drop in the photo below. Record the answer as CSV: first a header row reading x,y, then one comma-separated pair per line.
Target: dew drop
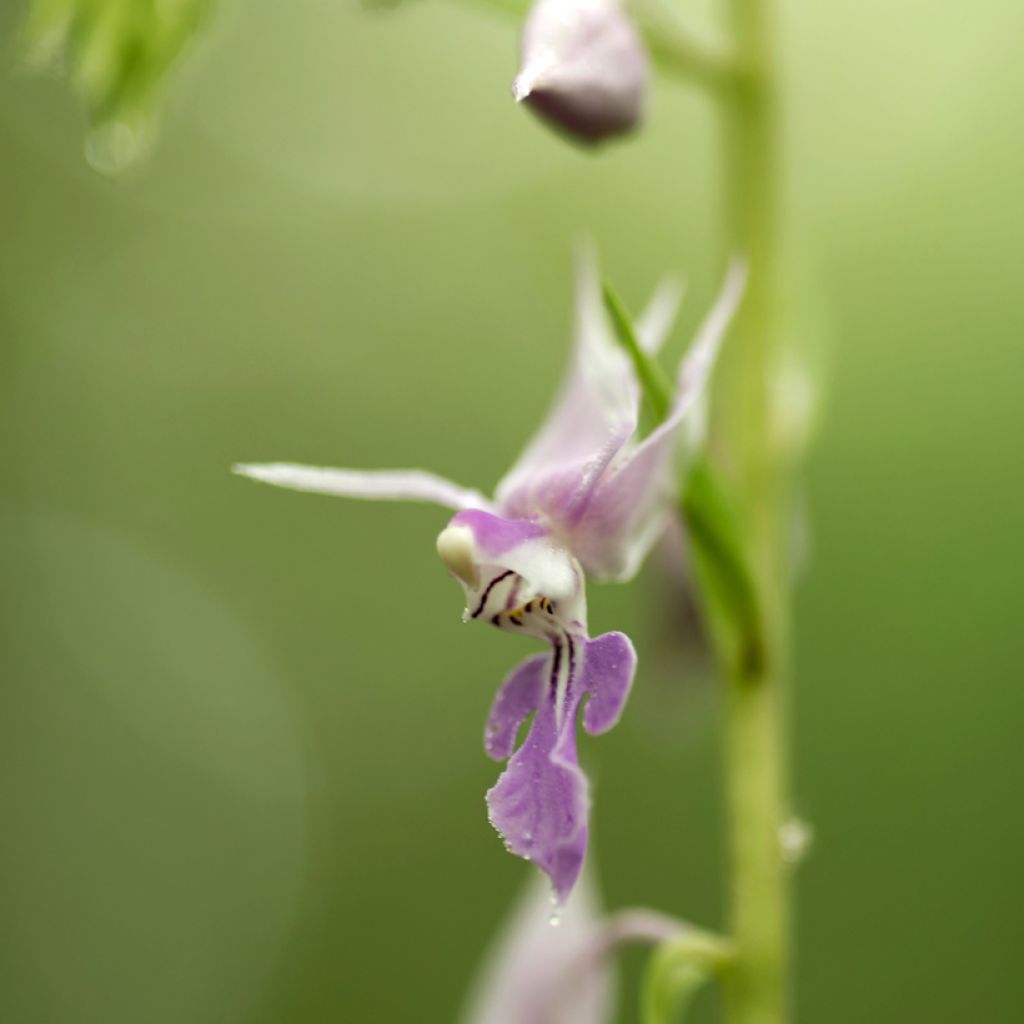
x,y
116,146
555,918
796,837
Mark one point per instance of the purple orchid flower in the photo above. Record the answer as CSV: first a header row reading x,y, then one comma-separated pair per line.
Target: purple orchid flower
x,y
586,496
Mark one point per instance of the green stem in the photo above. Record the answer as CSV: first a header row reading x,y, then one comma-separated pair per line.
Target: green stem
x,y
755,761
756,986
675,52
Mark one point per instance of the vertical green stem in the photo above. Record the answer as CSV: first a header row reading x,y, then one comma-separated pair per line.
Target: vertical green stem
x,y
756,985
755,761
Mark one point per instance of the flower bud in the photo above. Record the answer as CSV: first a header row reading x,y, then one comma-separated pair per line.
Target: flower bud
x,y
584,68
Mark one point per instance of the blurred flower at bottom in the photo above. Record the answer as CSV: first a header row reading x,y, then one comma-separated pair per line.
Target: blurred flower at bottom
x,y
542,969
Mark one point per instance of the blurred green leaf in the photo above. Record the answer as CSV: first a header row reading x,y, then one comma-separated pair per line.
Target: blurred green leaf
x,y
722,563
118,55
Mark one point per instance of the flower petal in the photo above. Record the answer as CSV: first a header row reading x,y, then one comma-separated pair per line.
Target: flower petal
x,y
374,485
520,693
495,536
540,803
610,664
630,503
655,322
505,564
592,417
699,360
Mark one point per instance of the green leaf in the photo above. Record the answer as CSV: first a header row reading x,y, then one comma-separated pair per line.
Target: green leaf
x,y
118,55
657,390
723,565
675,972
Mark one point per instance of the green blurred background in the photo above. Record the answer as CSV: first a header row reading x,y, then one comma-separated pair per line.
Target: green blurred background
x,y
240,729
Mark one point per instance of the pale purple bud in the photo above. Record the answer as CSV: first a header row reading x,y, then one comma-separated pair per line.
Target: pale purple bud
x,y
583,68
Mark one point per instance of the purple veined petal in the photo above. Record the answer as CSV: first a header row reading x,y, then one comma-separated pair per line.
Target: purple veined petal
x,y
372,485
536,974
495,535
609,667
541,801
593,415
630,504
561,494
520,693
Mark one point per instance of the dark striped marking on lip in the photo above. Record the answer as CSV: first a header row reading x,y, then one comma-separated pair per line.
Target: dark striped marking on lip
x,y
556,661
487,592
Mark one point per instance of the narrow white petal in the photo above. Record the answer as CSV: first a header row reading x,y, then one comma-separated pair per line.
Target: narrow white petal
x,y
597,404
372,485
700,358
655,323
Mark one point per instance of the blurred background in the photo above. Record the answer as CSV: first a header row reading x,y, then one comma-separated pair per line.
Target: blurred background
x,y
240,729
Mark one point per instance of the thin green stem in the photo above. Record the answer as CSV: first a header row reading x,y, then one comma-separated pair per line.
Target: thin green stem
x,y
675,52
756,987
755,702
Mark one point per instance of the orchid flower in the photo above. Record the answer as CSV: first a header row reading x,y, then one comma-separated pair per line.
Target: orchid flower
x,y
586,497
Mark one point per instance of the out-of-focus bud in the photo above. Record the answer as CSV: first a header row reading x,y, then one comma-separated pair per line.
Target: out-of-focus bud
x,y
538,974
584,68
